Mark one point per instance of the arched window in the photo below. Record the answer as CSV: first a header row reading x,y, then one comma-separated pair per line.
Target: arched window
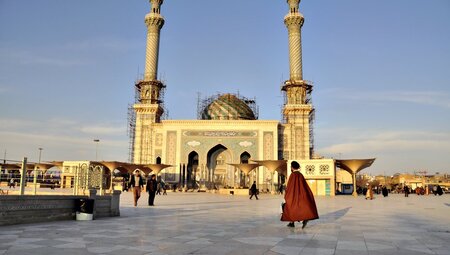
x,y
245,156
158,160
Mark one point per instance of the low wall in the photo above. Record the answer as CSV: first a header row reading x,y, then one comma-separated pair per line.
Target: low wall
x,y
15,209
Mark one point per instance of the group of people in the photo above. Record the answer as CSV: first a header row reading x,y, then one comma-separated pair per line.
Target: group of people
x,y
436,190
137,184
369,192
299,202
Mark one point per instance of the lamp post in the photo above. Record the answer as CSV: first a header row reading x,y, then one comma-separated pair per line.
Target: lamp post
x,y
40,152
96,141
36,168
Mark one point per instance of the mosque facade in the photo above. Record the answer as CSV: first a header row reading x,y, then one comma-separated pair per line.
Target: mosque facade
x,y
228,129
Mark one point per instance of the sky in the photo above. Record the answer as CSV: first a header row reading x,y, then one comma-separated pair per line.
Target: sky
x,y
381,73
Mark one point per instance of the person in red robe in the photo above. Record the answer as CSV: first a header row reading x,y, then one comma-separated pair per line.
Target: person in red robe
x,y
300,204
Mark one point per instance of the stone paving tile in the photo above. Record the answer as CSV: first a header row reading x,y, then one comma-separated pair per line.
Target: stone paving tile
x,y
287,250
351,252
202,223
317,251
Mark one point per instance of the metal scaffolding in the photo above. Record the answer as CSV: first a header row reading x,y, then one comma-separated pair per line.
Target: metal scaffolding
x,y
131,116
202,104
307,86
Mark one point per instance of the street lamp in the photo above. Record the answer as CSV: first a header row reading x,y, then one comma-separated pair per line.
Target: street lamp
x,y
40,151
96,141
36,168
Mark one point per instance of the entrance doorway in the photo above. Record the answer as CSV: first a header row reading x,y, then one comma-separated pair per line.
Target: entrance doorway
x,y
240,176
219,172
192,171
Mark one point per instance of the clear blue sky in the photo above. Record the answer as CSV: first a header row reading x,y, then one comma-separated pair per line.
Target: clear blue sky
x,y
381,73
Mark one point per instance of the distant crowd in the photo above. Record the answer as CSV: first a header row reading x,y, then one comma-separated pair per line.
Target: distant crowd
x,y
406,190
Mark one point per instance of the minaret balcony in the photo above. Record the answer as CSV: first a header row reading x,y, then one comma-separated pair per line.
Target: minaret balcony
x,y
154,19
294,18
308,85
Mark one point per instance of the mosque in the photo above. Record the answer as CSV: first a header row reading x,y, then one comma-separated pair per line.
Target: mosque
x,y
201,152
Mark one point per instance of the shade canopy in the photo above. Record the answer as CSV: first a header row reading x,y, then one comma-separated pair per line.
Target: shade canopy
x,y
246,168
353,166
282,169
156,168
123,167
11,166
273,165
30,166
44,166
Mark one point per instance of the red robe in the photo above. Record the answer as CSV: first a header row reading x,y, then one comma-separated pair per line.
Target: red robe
x,y
300,204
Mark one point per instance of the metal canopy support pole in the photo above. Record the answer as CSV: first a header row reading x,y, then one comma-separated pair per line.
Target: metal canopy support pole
x,y
22,176
34,180
354,185
86,183
185,178
273,183
101,180
76,182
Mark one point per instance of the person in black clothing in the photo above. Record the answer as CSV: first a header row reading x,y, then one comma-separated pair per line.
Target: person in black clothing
x,y
280,189
385,191
152,185
406,189
253,191
158,188
124,184
164,187
439,190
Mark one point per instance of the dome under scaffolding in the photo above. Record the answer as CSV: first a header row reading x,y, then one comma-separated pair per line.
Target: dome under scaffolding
x,y
227,107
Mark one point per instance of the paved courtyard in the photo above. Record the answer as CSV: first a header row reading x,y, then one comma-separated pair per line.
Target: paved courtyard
x,y
200,223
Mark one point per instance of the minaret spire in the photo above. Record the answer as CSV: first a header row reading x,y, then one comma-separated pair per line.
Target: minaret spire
x,y
294,22
150,87
148,108
296,88
298,111
154,22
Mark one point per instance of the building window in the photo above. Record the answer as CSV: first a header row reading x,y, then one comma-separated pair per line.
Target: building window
x,y
324,169
310,169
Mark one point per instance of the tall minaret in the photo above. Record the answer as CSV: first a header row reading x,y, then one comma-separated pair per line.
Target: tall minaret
x,y
297,109
148,108
150,87
154,22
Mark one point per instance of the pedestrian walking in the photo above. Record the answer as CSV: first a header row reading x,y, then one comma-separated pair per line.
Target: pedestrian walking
x,y
152,186
124,184
136,183
164,189
299,199
369,193
439,191
406,190
385,192
254,191
158,188
12,183
280,190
